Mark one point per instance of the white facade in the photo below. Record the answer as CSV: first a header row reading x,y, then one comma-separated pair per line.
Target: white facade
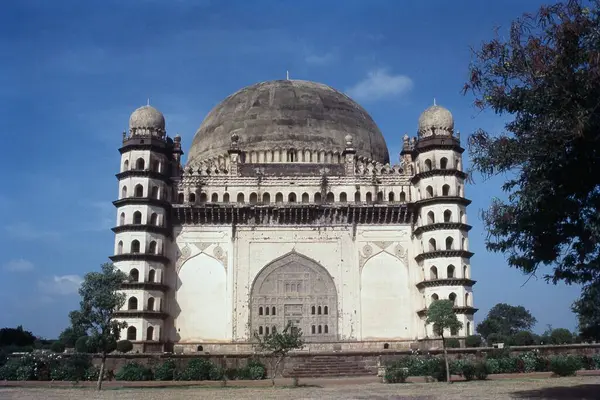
x,y
348,249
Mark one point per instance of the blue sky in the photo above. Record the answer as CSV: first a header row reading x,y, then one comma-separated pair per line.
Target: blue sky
x,y
73,71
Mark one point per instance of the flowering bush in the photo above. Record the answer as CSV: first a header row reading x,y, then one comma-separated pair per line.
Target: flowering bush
x,y
565,365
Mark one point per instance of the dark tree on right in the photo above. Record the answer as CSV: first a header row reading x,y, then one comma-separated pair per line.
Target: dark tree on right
x,y
545,75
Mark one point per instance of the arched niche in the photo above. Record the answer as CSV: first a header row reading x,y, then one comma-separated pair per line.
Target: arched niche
x,y
293,285
385,298
202,298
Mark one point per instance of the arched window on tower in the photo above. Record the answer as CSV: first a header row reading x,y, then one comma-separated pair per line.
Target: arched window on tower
x,y
402,197
120,247
135,246
124,192
433,273
214,198
326,329
139,190
318,198
357,197
465,272
266,198
319,310
379,197
325,310
152,247
154,219
267,311
291,156
369,197
391,197
312,310
464,244
447,216
151,275
292,197
225,197
132,303
273,311
126,165
192,198
260,311
253,198
240,198
122,219
430,217
203,198
452,298
343,197
305,198
140,164
132,333
450,271
279,198
468,332
134,275
446,190
443,163
150,333
180,198
330,197
137,217
428,165
434,297
467,304
154,192
432,245
429,191
150,304
449,243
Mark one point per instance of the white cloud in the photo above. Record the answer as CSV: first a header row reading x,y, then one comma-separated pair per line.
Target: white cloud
x,y
379,84
25,231
61,285
18,265
325,59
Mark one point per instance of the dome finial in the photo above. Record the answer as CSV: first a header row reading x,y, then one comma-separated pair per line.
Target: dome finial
x,y
287,75
148,103
434,102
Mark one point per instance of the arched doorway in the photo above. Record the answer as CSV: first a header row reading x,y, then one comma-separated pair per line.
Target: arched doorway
x,y
292,287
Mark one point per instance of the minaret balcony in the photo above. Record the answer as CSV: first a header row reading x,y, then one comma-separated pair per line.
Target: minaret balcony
x,y
140,257
162,230
143,173
443,200
141,201
148,314
438,172
468,310
145,286
428,255
442,226
446,282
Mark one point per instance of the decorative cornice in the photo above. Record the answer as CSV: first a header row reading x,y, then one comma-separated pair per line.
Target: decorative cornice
x,y
141,314
446,282
140,257
145,286
442,199
434,142
443,254
162,230
142,200
440,226
438,172
292,214
468,310
143,173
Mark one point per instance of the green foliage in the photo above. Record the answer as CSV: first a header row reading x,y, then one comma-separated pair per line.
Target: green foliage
x,y
57,347
544,75
16,337
256,370
596,360
492,365
198,369
133,371
565,365
473,341
506,320
481,370
165,371
277,344
522,338
395,374
441,314
46,366
494,338
468,371
587,309
561,336
124,346
82,345
452,343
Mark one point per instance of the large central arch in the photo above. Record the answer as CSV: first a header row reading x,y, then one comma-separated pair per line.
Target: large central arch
x,y
298,289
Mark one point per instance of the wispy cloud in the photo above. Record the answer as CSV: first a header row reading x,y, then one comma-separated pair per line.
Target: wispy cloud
x,y
379,84
60,285
321,59
18,265
25,231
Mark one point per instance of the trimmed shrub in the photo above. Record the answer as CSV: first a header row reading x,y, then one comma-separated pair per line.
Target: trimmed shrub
x,y
133,371
565,365
165,371
256,370
596,359
216,373
452,343
394,374
492,365
198,369
75,367
57,347
473,341
468,370
437,369
481,370
124,346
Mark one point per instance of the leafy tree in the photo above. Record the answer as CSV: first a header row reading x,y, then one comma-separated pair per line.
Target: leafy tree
x,y
561,336
506,320
587,309
100,299
16,337
124,346
473,341
57,347
522,338
277,345
77,329
441,314
546,75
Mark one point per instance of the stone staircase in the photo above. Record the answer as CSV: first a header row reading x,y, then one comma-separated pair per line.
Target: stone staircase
x,y
327,366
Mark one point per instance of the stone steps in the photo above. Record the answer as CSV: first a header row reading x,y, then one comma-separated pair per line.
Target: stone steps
x,y
327,366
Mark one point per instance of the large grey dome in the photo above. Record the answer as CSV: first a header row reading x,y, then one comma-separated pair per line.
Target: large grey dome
x,y
288,114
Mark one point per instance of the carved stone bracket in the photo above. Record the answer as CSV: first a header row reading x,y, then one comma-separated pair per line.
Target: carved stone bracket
x,y
368,252
185,253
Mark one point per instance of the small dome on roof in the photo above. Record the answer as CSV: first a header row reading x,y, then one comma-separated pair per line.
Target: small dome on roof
x,y
436,119
147,117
